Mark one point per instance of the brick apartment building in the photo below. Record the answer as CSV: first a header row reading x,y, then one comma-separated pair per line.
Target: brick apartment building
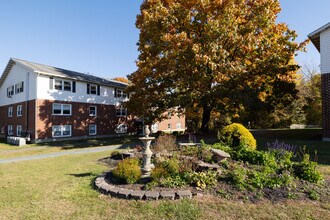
x,y
49,103
321,40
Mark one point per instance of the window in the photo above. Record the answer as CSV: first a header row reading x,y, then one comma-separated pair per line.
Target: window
x,y
120,94
10,130
63,85
121,129
58,84
93,89
121,112
19,87
67,86
61,130
154,128
92,111
10,91
169,126
19,110
10,111
61,109
19,130
92,130
178,125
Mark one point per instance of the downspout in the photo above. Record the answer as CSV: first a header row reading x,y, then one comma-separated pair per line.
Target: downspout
x,y
36,108
27,104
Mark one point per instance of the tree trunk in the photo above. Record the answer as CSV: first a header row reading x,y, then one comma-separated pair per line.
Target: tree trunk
x,y
206,119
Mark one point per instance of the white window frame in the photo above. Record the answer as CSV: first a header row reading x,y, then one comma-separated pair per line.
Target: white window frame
x,y
19,110
10,91
19,130
61,109
10,111
95,111
62,85
119,93
61,129
178,125
91,91
121,129
90,128
121,112
10,130
19,87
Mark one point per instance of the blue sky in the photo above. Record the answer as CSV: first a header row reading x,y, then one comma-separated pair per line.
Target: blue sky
x,y
99,36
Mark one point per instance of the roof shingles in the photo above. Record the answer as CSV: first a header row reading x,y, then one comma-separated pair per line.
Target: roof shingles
x,y
62,73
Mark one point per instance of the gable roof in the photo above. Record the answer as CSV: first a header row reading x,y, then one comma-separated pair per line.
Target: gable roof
x,y
61,73
315,36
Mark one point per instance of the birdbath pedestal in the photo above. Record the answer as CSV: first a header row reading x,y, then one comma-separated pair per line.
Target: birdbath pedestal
x,y
147,166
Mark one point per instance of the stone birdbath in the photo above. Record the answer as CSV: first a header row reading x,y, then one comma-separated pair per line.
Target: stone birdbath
x,y
147,166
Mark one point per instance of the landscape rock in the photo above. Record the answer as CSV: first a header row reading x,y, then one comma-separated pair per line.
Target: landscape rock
x,y
169,195
124,193
184,194
202,166
152,195
137,194
219,155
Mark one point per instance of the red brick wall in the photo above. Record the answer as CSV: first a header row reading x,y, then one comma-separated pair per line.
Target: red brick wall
x,y
106,119
26,120
326,104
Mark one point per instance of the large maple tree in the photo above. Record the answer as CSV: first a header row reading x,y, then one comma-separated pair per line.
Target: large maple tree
x,y
213,55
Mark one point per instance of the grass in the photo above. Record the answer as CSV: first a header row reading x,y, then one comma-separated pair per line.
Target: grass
x,y
61,188
9,151
311,138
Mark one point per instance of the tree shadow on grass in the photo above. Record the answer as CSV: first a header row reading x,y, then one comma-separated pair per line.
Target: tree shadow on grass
x,y
82,174
90,143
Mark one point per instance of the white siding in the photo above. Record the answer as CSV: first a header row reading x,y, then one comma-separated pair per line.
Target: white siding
x,y
325,51
18,74
106,93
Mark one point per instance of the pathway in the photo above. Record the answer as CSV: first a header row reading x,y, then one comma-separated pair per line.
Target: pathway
x,y
61,153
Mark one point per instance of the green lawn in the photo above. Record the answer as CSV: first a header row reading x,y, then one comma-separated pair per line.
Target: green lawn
x,y
61,188
10,151
311,138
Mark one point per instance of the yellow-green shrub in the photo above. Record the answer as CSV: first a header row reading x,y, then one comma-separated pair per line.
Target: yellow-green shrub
x,y
164,169
128,170
236,135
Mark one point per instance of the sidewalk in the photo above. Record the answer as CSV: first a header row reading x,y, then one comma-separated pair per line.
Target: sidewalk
x,y
62,153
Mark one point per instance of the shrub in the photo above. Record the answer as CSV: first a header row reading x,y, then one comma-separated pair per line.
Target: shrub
x,y
158,172
164,169
203,179
165,142
237,175
236,135
128,170
173,181
306,170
